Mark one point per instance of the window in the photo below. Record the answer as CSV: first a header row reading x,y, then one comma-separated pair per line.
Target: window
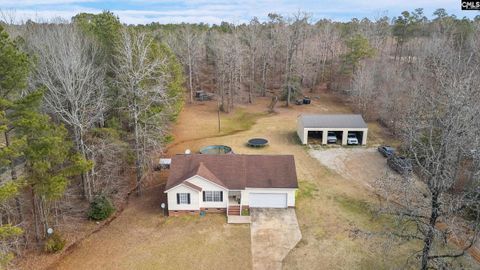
x,y
213,196
183,198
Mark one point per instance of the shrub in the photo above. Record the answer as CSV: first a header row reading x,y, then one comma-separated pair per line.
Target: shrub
x,y
101,208
5,258
54,243
245,212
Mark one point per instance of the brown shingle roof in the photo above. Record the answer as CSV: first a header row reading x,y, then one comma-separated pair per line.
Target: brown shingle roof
x,y
204,172
192,185
236,171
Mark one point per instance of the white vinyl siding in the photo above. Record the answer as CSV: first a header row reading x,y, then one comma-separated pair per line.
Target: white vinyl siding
x,y
207,185
195,198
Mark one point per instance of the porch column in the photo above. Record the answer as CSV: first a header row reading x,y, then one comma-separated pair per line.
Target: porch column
x,y
364,137
344,136
324,136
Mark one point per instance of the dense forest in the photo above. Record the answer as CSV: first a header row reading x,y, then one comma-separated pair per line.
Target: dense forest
x,y
87,103
84,105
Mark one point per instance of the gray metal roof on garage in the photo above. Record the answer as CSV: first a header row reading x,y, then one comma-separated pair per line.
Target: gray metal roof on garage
x,y
332,121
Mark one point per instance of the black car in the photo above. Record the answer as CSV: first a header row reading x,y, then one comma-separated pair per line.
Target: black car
x,y
400,164
386,150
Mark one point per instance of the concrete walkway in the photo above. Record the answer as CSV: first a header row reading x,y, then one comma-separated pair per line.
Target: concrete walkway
x,y
274,233
238,219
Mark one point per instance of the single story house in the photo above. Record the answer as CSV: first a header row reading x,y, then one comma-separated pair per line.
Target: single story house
x,y
230,183
318,126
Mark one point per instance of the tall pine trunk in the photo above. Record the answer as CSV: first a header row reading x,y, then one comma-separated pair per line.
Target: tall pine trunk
x,y
35,215
190,73
79,141
264,78
252,82
13,175
138,154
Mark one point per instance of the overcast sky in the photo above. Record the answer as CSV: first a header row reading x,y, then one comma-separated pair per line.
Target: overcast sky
x,y
215,11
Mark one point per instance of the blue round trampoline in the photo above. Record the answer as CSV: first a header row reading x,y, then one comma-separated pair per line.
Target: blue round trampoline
x,y
257,142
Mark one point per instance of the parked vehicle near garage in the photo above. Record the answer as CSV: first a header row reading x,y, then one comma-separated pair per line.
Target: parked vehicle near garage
x,y
386,150
342,124
400,164
201,95
352,139
331,137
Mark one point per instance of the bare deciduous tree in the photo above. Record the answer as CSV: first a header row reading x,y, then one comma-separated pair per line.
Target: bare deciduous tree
x,y
139,73
68,68
229,69
363,92
250,36
187,44
440,133
292,38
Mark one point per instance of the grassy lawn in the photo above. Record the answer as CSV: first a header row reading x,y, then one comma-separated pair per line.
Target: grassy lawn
x,y
142,239
335,214
239,120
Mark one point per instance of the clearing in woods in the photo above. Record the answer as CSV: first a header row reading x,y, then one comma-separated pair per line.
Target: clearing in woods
x,y
331,207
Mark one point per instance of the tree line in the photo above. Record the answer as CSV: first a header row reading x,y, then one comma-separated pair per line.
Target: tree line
x,y
415,76
291,56
84,104
102,94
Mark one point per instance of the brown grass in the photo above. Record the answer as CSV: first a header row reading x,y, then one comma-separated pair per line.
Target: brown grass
x,y
329,207
141,238
325,222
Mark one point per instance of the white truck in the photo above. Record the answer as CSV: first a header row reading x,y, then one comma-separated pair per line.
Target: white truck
x,y
352,139
331,137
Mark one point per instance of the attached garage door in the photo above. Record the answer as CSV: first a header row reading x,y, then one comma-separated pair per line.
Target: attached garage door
x,y
268,200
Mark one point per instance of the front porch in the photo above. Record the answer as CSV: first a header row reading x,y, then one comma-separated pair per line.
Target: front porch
x,y
235,208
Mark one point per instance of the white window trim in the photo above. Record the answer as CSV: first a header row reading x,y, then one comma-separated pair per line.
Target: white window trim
x,y
183,198
213,196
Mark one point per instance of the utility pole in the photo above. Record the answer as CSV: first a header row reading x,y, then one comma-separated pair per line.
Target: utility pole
x,y
218,115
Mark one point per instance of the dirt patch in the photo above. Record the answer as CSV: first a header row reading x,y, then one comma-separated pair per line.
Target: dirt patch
x,y
363,165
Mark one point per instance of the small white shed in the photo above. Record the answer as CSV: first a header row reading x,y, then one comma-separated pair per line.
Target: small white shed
x,y
318,125
164,163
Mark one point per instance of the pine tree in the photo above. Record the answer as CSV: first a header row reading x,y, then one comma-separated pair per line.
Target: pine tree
x,y
359,48
14,68
32,141
49,159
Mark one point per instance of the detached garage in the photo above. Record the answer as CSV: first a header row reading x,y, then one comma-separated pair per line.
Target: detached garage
x,y
319,127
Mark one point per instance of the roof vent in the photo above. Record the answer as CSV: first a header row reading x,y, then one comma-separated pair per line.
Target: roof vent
x,y
188,152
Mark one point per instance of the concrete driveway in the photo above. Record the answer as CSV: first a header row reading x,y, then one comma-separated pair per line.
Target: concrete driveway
x,y
274,233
